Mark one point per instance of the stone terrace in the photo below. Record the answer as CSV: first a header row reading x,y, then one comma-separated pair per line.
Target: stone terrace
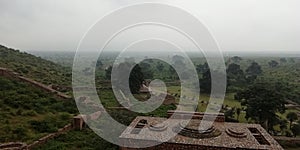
x,y
222,135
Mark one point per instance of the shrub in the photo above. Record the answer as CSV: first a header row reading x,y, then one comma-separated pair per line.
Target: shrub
x,y
29,113
20,132
19,112
288,134
64,116
43,126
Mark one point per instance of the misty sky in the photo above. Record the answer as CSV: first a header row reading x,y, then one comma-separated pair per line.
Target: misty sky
x,y
237,25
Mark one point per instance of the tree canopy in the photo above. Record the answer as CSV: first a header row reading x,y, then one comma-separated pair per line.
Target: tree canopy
x,y
292,116
135,80
263,100
254,69
235,76
273,64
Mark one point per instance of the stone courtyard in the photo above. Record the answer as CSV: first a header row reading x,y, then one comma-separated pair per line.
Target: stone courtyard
x,y
221,135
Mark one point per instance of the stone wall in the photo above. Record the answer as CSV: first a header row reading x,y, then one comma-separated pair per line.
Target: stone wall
x,y
219,117
42,140
173,146
287,141
46,138
13,146
79,121
8,73
11,74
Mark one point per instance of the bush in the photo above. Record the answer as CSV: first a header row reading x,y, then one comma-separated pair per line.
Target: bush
x,y
288,134
19,112
20,132
43,126
29,113
58,107
64,116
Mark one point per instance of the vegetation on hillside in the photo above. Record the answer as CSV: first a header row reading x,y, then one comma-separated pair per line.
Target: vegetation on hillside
x,y
34,67
27,113
78,140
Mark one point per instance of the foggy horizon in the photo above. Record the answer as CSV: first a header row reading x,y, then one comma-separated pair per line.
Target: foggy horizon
x,y
247,26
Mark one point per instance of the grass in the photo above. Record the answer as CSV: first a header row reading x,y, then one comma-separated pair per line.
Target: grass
x,y
229,100
10,125
283,116
25,111
109,100
77,140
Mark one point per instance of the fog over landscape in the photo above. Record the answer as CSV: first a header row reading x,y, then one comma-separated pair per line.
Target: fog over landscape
x,y
249,25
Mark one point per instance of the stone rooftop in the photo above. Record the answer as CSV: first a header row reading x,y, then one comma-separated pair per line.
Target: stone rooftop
x,y
221,135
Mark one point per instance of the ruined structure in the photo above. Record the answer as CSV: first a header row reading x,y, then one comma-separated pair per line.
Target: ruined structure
x,y
11,74
14,146
169,99
79,121
222,135
144,89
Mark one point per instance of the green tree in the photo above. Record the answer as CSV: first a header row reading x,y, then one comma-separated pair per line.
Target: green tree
x,y
99,64
20,132
234,69
283,60
173,73
238,113
296,129
273,64
202,68
283,125
136,79
229,113
235,75
292,60
263,100
253,71
108,72
292,116
178,61
206,83
146,70
236,59
160,67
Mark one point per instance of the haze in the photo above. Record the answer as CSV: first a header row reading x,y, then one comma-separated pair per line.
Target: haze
x,y
58,25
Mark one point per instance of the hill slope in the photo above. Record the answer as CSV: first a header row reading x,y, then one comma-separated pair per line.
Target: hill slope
x,y
27,112
34,67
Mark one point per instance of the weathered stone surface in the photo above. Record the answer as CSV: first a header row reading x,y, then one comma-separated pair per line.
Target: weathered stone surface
x,y
13,146
241,136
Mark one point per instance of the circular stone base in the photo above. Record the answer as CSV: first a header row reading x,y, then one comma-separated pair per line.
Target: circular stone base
x,y
237,132
191,129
